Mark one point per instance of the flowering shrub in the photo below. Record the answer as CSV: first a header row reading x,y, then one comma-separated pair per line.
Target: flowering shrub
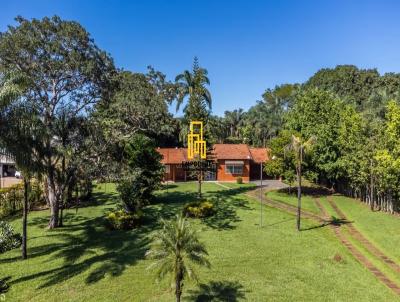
x,y
122,220
199,209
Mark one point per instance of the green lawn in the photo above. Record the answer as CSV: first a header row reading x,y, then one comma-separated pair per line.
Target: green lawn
x,y
86,262
379,227
307,202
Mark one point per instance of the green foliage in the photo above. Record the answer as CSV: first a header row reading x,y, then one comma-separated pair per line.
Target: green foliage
x,y
265,119
8,239
176,247
11,200
192,84
129,193
199,209
239,180
347,81
289,176
282,160
122,220
139,105
66,74
141,174
319,113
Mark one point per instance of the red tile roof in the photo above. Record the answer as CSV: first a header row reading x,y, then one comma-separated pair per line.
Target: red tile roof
x,y
232,151
220,151
259,155
173,155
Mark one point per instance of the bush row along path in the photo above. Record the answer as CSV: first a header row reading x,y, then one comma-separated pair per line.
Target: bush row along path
x,y
326,220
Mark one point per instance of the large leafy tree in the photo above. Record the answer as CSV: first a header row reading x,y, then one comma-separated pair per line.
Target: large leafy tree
x,y
176,248
67,74
318,112
139,106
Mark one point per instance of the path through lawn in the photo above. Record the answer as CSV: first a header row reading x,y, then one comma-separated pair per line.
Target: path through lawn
x,y
86,262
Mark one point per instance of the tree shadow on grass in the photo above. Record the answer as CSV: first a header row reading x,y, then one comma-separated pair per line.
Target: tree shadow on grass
x,y
226,206
93,248
4,285
225,202
217,291
307,190
333,221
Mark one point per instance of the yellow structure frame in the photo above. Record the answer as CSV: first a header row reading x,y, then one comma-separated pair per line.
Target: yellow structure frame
x,y
196,144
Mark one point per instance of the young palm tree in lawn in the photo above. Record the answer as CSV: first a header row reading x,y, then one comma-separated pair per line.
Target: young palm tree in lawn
x,y
176,249
299,147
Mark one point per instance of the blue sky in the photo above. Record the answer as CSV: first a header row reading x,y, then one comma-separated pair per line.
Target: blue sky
x,y
247,46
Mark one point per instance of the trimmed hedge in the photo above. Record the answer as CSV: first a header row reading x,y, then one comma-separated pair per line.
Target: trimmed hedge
x,y
199,209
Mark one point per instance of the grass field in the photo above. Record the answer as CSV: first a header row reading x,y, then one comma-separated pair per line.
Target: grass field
x,y
307,202
85,262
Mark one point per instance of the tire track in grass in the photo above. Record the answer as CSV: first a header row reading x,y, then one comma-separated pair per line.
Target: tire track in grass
x,y
355,233
283,206
356,253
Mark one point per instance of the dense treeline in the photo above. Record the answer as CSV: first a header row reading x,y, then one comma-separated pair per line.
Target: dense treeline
x,y
355,116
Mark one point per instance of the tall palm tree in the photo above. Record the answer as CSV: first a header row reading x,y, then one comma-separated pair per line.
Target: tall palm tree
x,y
235,120
192,84
175,249
300,148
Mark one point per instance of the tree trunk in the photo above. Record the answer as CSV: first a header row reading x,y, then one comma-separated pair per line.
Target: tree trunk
x,y
372,205
54,205
200,179
199,186
178,287
60,221
25,219
299,192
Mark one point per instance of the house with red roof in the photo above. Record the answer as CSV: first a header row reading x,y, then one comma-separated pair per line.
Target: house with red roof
x,y
231,161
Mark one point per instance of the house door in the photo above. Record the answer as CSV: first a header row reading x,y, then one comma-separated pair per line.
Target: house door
x,y
210,175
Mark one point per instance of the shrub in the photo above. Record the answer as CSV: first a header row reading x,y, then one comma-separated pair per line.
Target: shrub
x,y
122,220
8,239
239,180
12,198
129,192
199,209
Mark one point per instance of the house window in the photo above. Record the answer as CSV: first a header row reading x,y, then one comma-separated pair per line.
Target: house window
x,y
167,168
234,167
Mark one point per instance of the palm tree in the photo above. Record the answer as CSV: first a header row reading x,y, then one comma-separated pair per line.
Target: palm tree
x,y
299,147
18,126
175,249
235,120
192,84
